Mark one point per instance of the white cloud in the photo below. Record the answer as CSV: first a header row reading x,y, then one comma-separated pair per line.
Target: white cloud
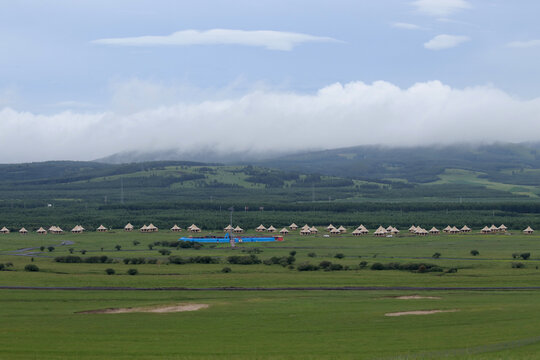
x,y
440,7
441,42
265,121
271,40
406,26
524,44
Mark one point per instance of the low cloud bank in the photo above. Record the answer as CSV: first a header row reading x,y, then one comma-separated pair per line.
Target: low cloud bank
x,y
336,116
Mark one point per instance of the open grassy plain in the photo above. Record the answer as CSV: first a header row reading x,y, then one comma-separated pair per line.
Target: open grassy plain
x,y
262,324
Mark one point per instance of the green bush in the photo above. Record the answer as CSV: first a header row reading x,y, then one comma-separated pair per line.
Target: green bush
x,y
70,259
363,264
518,265
475,252
339,256
292,253
118,247
307,267
164,252
83,252
525,256
50,248
133,272
377,266
312,255
243,260
436,255
31,267
110,271
136,242
226,270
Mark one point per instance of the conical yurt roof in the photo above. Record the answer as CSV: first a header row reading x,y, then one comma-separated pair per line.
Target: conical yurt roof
x,y
128,226
465,228
227,228
23,230
175,227
101,227
502,227
528,229
41,229
412,228
238,228
448,228
434,229
271,228
260,227
284,230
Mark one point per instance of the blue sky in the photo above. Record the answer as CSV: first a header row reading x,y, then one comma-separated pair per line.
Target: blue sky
x,y
80,64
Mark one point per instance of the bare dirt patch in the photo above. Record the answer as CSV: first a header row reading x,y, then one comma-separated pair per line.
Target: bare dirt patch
x,y
416,297
152,309
419,312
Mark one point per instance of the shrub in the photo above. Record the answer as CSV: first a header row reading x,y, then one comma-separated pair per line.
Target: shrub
x,y
177,260
525,256
9,264
312,255
165,252
134,261
422,269
475,252
83,252
136,242
518,265
243,260
2,267
307,267
70,259
96,259
50,248
150,246
377,266
110,271
436,255
515,255
117,247
325,264
71,250
339,256
363,264
31,267
452,270
152,261
133,272
226,270
293,253
41,248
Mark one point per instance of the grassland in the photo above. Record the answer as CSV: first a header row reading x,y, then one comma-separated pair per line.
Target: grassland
x,y
290,324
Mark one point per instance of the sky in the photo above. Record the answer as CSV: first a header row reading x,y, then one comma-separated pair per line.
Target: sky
x,y
80,80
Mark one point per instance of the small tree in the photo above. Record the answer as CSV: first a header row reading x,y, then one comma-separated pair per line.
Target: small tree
x,y
83,251
339,256
136,242
31,267
117,247
293,253
110,271
525,256
50,248
363,264
71,250
312,255
133,272
41,248
226,270
475,252
165,252
436,255
150,246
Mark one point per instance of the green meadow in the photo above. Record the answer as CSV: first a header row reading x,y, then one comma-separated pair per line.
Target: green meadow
x,y
271,324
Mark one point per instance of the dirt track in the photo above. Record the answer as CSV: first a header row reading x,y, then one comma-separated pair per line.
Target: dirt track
x,y
337,288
